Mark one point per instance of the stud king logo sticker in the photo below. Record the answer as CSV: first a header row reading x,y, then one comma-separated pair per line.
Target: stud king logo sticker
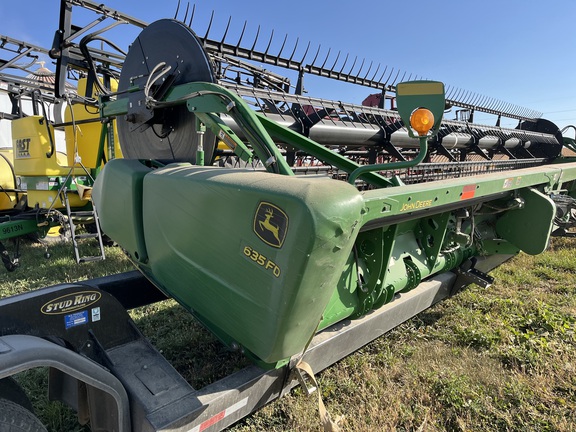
x,y
70,302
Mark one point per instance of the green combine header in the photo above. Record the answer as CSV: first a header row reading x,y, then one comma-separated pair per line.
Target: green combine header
x,y
266,258
296,229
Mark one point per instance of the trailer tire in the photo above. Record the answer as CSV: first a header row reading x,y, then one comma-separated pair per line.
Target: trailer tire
x,y
11,390
16,418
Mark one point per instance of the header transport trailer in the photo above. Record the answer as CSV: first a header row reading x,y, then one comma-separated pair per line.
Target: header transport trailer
x,y
296,229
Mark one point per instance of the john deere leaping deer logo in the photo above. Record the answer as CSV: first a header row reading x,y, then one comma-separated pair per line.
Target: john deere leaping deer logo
x,y
270,224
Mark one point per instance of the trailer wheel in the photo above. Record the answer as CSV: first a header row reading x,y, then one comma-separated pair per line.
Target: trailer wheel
x,y
11,390
16,418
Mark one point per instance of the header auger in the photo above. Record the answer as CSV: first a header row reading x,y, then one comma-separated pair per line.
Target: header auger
x,y
295,228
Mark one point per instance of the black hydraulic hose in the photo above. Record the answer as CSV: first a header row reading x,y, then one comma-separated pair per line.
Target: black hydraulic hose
x,y
565,129
45,119
32,214
83,45
6,191
50,153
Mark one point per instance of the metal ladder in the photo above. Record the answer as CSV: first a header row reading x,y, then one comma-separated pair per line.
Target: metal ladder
x,y
72,215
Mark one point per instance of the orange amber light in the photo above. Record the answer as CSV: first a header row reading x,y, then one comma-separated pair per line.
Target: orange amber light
x,y
422,121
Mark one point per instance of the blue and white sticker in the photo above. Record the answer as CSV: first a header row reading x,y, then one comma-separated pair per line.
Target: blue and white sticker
x,y
76,319
95,314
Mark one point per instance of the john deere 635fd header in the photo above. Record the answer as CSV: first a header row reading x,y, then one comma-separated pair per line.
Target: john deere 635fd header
x,y
273,216
265,257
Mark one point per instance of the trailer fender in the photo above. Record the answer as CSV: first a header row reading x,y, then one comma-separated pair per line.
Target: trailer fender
x,y
19,353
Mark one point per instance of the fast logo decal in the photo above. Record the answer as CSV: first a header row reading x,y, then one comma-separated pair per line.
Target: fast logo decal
x,y
270,224
23,148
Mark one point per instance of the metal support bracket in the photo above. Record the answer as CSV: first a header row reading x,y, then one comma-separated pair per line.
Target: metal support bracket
x,y
307,386
467,274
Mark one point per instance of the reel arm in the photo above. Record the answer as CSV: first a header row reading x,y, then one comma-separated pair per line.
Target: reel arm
x,y
206,100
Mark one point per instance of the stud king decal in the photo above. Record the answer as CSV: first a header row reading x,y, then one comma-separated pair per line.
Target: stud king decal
x,y
71,302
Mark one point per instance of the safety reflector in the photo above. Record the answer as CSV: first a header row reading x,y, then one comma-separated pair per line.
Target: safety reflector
x,y
468,192
220,416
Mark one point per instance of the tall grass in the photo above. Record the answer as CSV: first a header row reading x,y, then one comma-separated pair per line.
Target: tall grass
x,y
496,359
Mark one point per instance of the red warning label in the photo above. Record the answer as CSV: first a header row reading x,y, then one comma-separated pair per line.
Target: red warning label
x,y
468,192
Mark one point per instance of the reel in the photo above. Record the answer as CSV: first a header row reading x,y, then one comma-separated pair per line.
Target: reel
x,y
165,54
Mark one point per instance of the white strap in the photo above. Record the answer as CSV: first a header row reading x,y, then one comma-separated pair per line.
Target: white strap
x,y
329,424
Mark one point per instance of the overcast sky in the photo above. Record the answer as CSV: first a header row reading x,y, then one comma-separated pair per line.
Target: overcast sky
x,y
522,52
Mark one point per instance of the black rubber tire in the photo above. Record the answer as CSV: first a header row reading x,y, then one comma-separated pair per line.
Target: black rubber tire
x,y
16,418
11,390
